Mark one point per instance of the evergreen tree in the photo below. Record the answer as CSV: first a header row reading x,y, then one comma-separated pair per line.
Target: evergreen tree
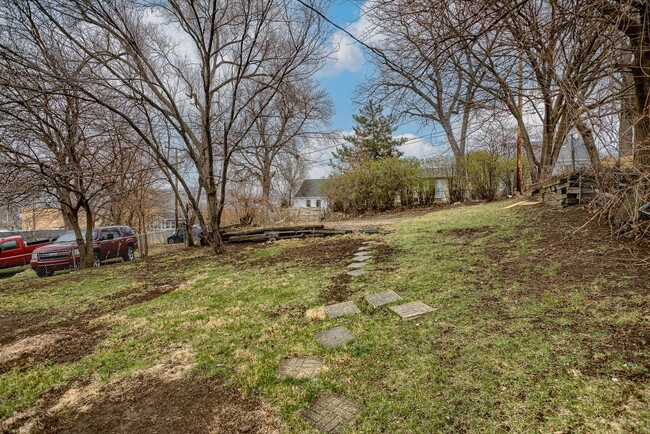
x,y
372,139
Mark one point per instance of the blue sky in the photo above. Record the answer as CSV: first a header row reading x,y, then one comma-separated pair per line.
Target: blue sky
x,y
344,74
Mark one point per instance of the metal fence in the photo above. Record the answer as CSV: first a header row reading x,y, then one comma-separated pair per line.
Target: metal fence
x,y
66,259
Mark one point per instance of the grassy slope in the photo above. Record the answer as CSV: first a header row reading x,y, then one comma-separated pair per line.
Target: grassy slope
x,y
491,358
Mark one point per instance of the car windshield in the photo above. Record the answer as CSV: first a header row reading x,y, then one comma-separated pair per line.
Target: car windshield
x,y
70,237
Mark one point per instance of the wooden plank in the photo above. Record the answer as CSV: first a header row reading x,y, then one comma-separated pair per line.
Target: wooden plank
x,y
259,231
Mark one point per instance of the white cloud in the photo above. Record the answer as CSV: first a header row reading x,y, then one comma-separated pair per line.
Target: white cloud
x,y
347,55
415,147
363,29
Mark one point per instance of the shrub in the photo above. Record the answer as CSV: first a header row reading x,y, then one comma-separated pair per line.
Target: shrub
x,y
376,185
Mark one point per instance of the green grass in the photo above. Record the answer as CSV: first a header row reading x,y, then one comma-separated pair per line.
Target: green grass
x,y
494,356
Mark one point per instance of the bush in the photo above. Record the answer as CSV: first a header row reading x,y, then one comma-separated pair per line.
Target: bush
x,y
486,172
377,185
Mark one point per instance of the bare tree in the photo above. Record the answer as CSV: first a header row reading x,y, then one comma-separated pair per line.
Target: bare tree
x,y
631,18
54,142
297,115
418,72
236,55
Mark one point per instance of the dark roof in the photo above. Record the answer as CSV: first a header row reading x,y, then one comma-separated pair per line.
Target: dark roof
x,y
310,188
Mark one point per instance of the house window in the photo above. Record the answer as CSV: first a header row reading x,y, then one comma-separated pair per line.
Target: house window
x,y
308,203
317,203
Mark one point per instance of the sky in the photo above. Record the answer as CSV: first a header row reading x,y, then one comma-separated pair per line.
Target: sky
x,y
347,70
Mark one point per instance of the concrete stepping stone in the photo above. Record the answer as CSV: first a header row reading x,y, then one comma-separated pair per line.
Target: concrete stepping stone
x,y
365,243
363,248
411,310
335,337
382,298
301,367
357,273
341,309
357,265
362,258
331,412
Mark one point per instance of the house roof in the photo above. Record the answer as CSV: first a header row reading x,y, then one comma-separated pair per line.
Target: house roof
x,y
311,188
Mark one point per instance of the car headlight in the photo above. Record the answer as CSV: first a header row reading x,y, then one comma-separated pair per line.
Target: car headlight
x,y
34,256
75,252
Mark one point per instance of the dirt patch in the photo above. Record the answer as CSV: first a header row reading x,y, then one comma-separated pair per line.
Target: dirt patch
x,y
290,310
13,323
78,334
382,254
319,253
165,398
469,232
589,260
144,404
63,346
337,290
9,353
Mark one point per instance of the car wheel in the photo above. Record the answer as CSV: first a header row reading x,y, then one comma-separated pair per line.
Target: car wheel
x,y
170,241
96,260
130,254
41,273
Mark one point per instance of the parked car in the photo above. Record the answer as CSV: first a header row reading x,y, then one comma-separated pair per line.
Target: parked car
x,y
109,242
15,254
178,236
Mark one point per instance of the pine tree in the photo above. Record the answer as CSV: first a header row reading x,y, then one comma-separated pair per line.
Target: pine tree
x,y
372,139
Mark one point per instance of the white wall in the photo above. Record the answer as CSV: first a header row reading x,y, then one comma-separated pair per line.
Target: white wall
x,y
301,202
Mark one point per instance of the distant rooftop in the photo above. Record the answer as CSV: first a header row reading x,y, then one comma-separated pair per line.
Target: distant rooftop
x,y
311,188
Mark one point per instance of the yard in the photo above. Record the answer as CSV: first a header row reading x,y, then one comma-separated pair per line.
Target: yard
x,y
536,328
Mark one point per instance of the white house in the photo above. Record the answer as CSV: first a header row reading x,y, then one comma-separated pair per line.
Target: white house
x,y
310,195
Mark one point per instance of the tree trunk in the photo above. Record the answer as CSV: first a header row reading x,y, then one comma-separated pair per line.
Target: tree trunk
x,y
588,139
640,46
88,246
626,117
642,128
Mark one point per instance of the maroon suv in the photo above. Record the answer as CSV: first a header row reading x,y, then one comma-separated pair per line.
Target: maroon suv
x,y
109,242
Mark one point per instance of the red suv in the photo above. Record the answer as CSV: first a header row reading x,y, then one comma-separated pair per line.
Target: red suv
x,y
109,242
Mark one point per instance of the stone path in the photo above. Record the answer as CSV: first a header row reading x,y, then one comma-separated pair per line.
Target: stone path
x,y
382,298
357,265
341,309
334,337
361,257
330,413
409,311
301,367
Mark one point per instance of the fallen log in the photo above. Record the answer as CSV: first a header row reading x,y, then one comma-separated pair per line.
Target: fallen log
x,y
283,235
259,231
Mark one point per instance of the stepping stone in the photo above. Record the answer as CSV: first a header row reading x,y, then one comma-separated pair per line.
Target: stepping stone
x,y
334,337
341,309
331,413
365,243
361,258
411,310
357,265
382,298
301,367
363,248
357,273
